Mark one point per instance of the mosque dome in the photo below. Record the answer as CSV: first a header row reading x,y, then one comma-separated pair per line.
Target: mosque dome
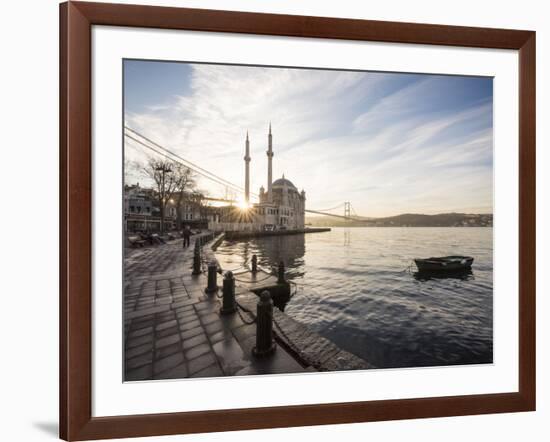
x,y
283,181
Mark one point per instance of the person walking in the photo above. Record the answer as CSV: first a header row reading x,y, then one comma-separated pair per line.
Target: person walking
x,y
186,236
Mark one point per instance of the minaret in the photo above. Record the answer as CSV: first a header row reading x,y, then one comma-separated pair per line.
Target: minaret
x,y
247,171
269,166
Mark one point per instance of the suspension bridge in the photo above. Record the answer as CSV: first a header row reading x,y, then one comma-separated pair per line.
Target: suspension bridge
x,y
138,141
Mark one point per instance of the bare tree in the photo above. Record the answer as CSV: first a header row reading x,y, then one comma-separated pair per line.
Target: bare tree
x,y
172,181
161,173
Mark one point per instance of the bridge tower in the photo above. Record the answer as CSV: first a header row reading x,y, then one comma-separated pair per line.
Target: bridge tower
x,y
347,209
247,171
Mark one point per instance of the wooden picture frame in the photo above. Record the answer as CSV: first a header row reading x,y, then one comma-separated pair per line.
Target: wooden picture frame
x,y
76,21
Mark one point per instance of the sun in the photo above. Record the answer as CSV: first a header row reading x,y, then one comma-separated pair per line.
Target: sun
x,y
243,205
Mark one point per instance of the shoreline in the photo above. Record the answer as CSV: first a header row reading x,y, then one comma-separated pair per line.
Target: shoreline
x,y
244,234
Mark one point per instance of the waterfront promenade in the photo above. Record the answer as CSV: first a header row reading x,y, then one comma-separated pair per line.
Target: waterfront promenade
x,y
174,330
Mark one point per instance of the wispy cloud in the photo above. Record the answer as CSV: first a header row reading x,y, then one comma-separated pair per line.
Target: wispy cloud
x,y
389,143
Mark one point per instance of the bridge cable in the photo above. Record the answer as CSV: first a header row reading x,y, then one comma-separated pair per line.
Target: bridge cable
x,y
194,166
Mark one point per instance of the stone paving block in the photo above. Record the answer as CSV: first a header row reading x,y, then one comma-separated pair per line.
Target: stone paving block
x,y
169,362
197,351
164,325
182,310
138,361
179,297
192,332
167,350
194,341
147,312
200,363
184,326
166,316
244,332
223,334
211,371
145,303
167,332
208,304
209,318
178,372
167,340
230,356
143,322
184,303
140,349
233,321
139,374
141,340
207,307
187,316
279,362
213,328
248,344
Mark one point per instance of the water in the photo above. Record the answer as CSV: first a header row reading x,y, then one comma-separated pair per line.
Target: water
x,y
354,289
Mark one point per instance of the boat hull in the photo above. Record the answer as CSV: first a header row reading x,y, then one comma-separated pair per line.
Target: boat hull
x,y
444,264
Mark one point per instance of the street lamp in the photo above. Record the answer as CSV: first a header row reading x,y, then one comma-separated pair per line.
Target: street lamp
x,y
164,169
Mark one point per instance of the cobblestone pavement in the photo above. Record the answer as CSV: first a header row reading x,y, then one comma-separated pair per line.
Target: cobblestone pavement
x,y
174,330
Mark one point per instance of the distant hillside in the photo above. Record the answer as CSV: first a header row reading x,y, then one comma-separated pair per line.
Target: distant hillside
x,y
408,220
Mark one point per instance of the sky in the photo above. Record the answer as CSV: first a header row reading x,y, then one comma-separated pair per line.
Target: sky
x,y
389,143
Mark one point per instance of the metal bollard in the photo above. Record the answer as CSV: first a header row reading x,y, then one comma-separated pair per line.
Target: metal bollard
x,y
228,305
197,261
212,278
265,344
281,273
254,264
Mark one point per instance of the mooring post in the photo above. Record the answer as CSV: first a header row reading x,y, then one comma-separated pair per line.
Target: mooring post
x,y
197,260
281,273
212,278
265,345
254,264
228,303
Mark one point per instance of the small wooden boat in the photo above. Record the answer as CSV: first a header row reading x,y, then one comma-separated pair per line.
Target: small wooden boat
x,y
444,264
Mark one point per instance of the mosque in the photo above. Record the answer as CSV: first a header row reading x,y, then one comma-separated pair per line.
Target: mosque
x,y
282,206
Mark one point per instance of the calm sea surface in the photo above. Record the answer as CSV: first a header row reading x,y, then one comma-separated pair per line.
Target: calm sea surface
x,y
353,287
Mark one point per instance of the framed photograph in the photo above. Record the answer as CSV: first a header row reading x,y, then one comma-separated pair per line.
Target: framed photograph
x,y
274,220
